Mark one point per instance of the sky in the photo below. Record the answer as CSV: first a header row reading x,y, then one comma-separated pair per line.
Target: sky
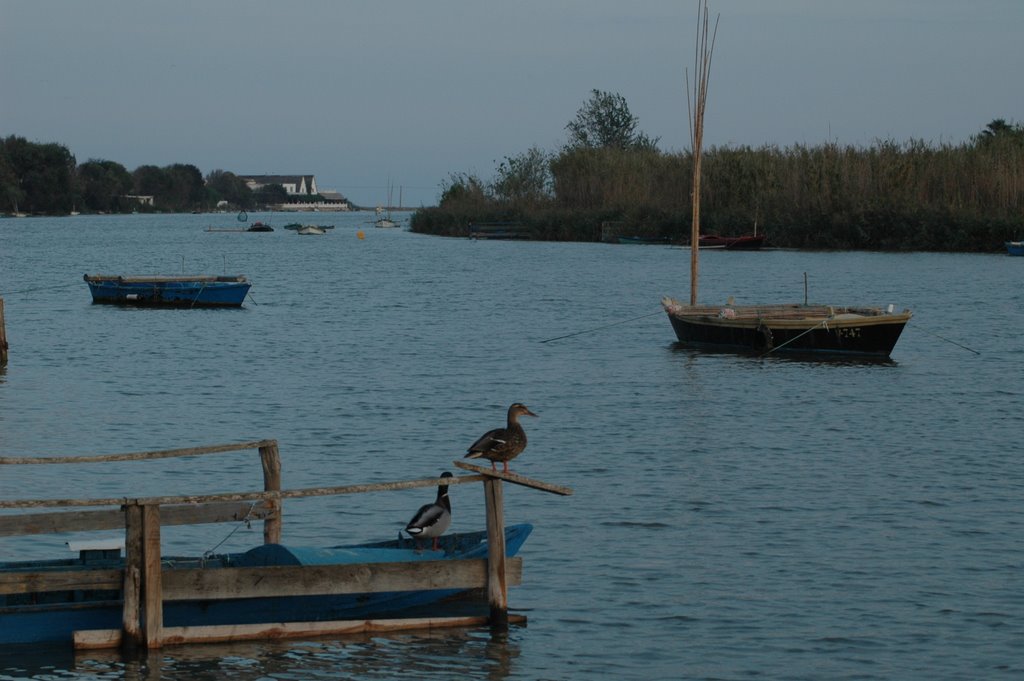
x,y
367,95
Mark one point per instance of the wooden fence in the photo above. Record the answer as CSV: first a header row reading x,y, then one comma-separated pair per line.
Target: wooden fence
x,y
146,586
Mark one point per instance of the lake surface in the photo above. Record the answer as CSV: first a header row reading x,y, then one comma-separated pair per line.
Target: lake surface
x,y
734,516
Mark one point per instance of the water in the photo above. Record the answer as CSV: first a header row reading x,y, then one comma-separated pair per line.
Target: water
x,y
733,516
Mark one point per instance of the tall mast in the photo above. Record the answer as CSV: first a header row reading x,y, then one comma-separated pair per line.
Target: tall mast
x,y
695,110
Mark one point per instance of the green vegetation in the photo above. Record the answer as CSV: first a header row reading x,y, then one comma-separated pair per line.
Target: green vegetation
x,y
889,196
44,179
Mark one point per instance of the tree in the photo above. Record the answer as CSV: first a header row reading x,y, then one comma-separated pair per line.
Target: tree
x,y
605,121
526,177
43,174
270,194
999,131
229,187
102,183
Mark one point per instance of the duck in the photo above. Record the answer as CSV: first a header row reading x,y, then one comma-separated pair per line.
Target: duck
x,y
502,444
431,521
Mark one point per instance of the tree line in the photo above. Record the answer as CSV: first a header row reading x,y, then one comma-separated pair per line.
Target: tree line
x,y
44,179
888,196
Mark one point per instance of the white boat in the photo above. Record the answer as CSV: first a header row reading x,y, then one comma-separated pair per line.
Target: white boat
x,y
311,229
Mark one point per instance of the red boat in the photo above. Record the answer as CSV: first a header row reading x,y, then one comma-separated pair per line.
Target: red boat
x,y
748,242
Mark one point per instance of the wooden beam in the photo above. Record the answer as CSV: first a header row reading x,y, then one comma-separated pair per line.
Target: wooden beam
x,y
110,519
111,638
138,456
514,478
3,336
270,458
199,584
497,584
152,581
70,579
134,563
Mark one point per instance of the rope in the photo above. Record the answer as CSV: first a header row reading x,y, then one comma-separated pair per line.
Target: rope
x,y
824,323
946,339
39,288
598,328
247,520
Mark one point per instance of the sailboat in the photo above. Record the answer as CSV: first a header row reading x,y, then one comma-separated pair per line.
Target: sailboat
x,y
790,328
382,219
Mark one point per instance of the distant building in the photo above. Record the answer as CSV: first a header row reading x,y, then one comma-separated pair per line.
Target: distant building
x,y
295,185
300,186
139,198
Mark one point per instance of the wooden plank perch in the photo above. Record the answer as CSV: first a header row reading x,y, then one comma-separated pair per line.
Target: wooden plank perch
x,y
514,478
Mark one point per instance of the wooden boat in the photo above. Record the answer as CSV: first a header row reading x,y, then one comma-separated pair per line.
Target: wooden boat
x,y
819,329
747,242
168,291
643,240
53,616
1015,247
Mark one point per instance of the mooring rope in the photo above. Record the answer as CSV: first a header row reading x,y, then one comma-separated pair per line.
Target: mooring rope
x,y
247,521
823,323
38,288
598,328
918,326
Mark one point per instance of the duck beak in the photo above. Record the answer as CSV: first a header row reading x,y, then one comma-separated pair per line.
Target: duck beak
x,y
528,412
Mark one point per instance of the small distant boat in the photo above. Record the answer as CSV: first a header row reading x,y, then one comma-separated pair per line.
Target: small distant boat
x,y
747,242
310,229
168,291
260,227
1015,247
643,240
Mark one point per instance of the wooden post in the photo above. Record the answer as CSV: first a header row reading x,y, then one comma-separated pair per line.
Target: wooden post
x,y
131,621
497,585
3,336
271,460
152,580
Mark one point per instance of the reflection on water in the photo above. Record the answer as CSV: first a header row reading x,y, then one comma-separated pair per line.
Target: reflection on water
x,y
438,654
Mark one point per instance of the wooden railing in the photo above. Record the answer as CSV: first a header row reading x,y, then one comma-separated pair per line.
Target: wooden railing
x,y
145,585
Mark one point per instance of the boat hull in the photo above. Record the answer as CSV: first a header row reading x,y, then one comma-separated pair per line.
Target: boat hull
x,y
53,617
748,242
823,330
1015,247
198,291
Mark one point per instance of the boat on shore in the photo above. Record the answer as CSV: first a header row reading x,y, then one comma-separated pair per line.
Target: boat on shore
x,y
53,616
168,291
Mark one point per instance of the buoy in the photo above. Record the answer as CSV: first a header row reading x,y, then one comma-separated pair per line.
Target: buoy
x,y
360,234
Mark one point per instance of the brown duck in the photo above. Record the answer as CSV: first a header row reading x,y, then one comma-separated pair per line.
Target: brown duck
x,y
502,444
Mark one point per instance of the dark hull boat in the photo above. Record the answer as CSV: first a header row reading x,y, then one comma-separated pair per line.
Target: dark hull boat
x,y
817,329
749,242
169,291
53,616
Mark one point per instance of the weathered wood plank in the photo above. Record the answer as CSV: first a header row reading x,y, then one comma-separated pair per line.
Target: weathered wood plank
x,y
111,638
514,478
199,584
138,456
110,519
497,584
152,577
30,582
241,496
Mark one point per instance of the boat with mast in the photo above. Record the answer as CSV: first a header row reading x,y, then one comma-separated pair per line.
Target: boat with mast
x,y
791,328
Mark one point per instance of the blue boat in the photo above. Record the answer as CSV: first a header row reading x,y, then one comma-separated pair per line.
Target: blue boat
x,y
53,616
169,291
1015,247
